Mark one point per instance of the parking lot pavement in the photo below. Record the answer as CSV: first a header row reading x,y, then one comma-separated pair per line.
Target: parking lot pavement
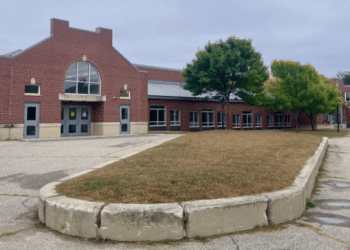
x,y
27,166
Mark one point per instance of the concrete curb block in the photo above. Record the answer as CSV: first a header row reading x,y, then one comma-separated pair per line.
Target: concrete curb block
x,y
219,216
141,222
154,222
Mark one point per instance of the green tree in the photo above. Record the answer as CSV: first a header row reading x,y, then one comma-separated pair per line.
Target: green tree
x,y
301,89
225,68
345,77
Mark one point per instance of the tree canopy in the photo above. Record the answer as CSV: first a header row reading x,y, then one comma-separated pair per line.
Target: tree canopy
x,y
344,76
225,68
301,89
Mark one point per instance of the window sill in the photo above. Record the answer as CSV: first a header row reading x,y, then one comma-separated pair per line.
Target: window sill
x,y
125,97
32,94
81,97
174,125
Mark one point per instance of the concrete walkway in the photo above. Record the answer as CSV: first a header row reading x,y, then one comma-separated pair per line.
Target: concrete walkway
x,y
27,166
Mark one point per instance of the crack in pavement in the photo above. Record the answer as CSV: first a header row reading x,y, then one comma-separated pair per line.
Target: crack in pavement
x,y
318,231
14,232
234,242
23,195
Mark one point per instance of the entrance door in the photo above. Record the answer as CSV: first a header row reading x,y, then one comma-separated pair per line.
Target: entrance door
x,y
31,120
75,120
124,113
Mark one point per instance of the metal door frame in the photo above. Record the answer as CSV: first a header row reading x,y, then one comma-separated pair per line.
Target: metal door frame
x,y
77,122
124,121
31,122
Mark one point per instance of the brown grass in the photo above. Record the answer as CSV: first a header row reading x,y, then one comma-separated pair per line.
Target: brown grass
x,y
330,133
203,165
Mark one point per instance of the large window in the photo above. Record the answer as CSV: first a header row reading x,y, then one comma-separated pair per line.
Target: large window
x,y
287,118
270,121
236,121
157,115
279,120
175,117
347,97
208,118
194,119
221,119
247,119
82,78
258,123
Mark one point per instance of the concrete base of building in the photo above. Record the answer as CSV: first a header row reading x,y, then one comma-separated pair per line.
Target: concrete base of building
x,y
105,128
49,130
138,128
331,126
11,132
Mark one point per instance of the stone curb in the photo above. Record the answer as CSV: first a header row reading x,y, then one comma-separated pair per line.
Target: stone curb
x,y
155,222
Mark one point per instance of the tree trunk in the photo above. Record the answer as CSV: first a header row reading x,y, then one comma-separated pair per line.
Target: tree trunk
x,y
311,116
296,121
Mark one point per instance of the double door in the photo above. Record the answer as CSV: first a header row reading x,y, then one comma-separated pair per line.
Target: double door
x,y
75,120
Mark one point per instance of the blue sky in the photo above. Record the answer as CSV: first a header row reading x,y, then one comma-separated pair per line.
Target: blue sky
x,y
168,33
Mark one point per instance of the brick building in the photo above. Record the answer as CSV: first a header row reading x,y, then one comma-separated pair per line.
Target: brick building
x,y
76,83
71,83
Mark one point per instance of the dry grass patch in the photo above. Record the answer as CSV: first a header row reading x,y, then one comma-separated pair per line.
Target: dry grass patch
x,y
330,133
204,165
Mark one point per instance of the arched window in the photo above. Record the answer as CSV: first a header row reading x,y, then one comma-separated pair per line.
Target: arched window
x,y
82,78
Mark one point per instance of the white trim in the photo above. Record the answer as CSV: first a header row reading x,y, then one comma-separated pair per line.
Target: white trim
x,y
177,121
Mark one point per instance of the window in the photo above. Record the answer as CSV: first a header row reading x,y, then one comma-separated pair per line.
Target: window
x,y
247,119
258,121
124,93
157,115
347,97
194,119
31,89
270,121
221,119
82,78
279,120
236,121
208,118
175,117
287,118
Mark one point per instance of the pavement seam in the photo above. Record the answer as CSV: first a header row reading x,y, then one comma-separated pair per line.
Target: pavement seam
x,y
318,231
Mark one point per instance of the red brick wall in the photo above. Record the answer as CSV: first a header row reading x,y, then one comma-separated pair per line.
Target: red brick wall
x,y
48,63
186,107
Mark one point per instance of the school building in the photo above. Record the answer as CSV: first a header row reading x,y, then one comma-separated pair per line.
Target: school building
x,y
75,83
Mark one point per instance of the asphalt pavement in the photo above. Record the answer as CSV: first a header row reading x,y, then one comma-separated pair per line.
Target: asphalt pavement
x,y
26,166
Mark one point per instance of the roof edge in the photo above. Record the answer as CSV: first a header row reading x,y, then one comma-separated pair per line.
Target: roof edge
x,y
155,67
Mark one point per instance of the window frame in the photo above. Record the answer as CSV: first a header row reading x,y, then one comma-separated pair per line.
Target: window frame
x,y
194,124
347,94
88,82
158,121
246,115
279,123
258,124
221,121
269,120
210,123
287,121
32,94
175,122
235,123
